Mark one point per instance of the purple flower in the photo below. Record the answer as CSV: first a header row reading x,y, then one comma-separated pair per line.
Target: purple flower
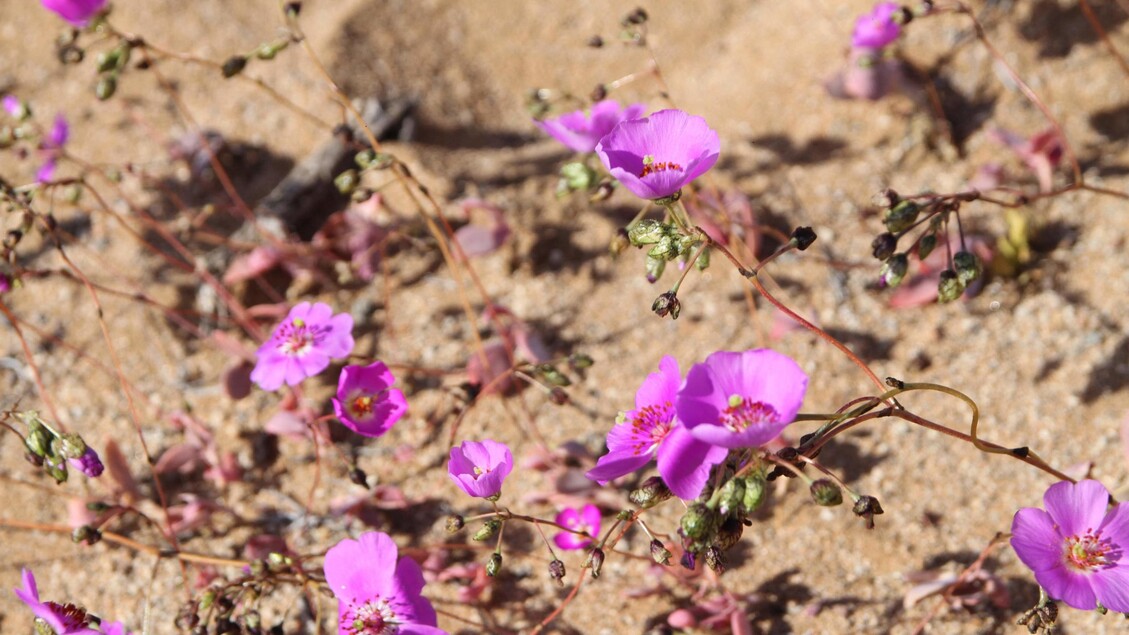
x,y
480,468
64,619
51,148
77,12
581,131
89,463
114,628
302,345
657,155
5,283
586,520
366,402
377,594
1076,548
878,28
13,106
741,400
651,431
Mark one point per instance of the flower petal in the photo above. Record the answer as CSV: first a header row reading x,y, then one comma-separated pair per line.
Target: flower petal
x,y
1077,507
359,570
616,464
685,462
1036,540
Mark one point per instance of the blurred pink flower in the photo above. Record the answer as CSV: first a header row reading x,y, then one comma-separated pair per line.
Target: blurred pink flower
x,y
877,29
581,131
586,520
1041,152
302,345
77,12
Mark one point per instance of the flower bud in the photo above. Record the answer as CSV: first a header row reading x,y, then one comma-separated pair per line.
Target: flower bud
x,y
595,561
729,533
902,216
886,198
659,552
86,534
364,158
553,376
950,287
755,488
826,493
559,397
967,266
884,245
867,507
580,361
557,571
715,560
894,270
646,232
494,565
71,445
650,493
488,530
654,268
803,237
106,87
347,181
38,440
732,493
577,176
925,245
56,471
703,261
358,476
89,463
455,523
688,560
699,523
234,66
667,303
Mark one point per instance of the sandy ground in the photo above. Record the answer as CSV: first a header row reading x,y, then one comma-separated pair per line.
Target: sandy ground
x,y
1044,355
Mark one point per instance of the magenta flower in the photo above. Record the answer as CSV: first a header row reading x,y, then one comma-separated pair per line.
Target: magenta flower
x,y
879,28
77,12
114,628
64,619
51,148
586,520
302,345
581,131
651,431
480,468
1076,548
656,156
89,463
13,106
741,400
366,402
377,592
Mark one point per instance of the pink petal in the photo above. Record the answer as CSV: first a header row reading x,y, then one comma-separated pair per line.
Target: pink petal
x,y
1077,507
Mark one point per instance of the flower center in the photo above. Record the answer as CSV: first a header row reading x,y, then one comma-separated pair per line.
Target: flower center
x,y
374,617
650,166
361,406
649,427
1089,552
742,412
479,471
296,338
71,616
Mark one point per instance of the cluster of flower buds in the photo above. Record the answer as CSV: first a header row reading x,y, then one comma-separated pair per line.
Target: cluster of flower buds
x,y
52,451
903,216
667,242
716,521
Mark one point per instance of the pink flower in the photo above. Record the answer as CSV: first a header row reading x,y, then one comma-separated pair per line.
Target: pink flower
x,y
13,106
366,402
480,468
89,463
879,28
651,431
377,592
656,156
741,400
586,520
64,619
1077,548
302,345
581,131
51,147
77,12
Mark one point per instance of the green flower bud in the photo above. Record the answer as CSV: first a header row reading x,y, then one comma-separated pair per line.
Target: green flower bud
x,y
654,268
755,488
494,565
364,158
646,232
650,493
106,87
894,270
488,530
57,472
665,249
950,288
703,261
455,523
659,552
826,493
86,534
967,266
732,493
347,181
699,523
555,377
925,245
71,446
580,361
577,176
38,440
902,216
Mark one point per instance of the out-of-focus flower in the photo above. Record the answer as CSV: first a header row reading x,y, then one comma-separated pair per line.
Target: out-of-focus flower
x,y
656,156
302,345
51,147
581,131
741,400
877,29
377,592
479,468
77,12
651,431
1041,152
89,463
366,402
63,619
1077,547
586,520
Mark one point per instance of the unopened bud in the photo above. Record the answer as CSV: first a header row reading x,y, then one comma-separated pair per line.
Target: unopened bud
x,y
38,439
559,396
347,181
364,158
494,565
732,493
886,198
106,87
659,552
599,93
620,242
925,245
884,245
902,216
638,16
867,507
667,303
580,361
292,9
894,270
950,287
71,446
551,374
703,261
967,266
803,237
86,534
729,533
557,571
647,232
595,561
56,471
358,476
654,268
234,66
699,523
755,489
650,493
715,560
577,177
826,493
455,523
489,528
688,560
267,51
